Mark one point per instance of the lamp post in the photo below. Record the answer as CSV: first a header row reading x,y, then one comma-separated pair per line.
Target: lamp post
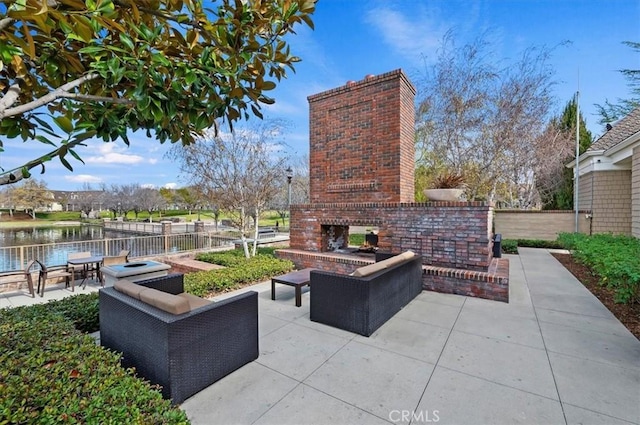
x,y
289,172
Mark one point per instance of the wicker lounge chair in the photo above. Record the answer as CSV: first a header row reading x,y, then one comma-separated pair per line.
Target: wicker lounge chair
x,y
184,353
363,304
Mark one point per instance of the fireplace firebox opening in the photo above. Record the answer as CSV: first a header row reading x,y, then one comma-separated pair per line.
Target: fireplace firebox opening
x,y
342,238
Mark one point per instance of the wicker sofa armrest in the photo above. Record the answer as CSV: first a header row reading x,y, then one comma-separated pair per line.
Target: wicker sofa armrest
x,y
172,283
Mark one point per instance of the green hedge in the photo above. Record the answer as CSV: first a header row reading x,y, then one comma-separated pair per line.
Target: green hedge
x,y
614,258
82,310
51,373
239,271
510,246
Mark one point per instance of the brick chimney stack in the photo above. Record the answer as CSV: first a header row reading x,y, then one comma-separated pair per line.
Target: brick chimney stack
x,y
362,141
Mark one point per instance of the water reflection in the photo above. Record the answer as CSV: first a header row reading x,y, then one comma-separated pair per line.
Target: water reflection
x,y
43,235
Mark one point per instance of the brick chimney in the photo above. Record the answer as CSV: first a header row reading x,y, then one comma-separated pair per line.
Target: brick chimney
x,y
362,141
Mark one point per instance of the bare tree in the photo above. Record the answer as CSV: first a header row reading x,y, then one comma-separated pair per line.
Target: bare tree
x,y
148,199
126,196
89,199
481,120
241,167
552,148
119,199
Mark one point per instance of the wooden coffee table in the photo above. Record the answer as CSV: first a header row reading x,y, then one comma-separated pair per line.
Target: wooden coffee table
x,y
298,279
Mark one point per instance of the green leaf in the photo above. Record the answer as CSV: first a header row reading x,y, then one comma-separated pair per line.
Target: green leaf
x,y
45,140
91,50
75,155
268,85
64,123
83,136
127,41
66,164
256,111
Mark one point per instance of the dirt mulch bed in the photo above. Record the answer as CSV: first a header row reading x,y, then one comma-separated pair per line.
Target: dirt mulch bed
x,y
627,314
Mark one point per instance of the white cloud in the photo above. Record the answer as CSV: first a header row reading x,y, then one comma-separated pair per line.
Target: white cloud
x,y
83,178
411,36
171,185
148,186
110,153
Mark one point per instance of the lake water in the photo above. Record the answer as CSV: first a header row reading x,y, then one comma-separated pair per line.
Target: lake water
x,y
49,236
43,235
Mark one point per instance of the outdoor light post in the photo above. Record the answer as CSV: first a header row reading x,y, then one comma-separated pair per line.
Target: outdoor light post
x,y
289,172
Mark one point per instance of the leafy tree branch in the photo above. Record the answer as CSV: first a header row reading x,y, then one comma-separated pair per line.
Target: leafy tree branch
x,y
106,68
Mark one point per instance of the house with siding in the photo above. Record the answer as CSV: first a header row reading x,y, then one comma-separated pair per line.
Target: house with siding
x,y
609,178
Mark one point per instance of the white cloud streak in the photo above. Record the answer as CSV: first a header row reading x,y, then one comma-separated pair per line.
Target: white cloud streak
x,y
110,153
411,36
83,178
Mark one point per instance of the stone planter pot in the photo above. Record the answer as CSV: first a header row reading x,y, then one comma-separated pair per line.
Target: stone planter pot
x,y
443,194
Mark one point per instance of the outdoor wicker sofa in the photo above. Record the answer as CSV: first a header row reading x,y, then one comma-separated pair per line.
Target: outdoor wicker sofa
x,y
362,304
184,353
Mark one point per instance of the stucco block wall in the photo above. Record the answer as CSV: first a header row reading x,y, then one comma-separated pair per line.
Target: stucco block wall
x,y
608,195
635,193
545,225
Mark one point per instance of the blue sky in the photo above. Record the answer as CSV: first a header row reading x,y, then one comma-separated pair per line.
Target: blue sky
x,y
353,38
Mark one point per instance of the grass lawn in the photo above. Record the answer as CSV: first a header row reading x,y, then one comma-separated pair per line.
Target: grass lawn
x,y
20,219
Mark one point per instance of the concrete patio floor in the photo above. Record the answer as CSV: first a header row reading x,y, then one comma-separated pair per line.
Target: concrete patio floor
x,y
553,355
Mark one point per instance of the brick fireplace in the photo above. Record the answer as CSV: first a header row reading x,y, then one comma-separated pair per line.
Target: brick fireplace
x,y
361,170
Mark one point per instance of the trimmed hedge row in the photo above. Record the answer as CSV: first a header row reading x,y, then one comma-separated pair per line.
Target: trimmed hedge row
x,y
510,246
239,271
51,373
614,258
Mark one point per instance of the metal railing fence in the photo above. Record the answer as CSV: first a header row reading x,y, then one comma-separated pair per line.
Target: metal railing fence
x,y
16,257
156,228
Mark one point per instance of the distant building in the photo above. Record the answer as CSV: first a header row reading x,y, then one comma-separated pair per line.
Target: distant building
x,y
75,200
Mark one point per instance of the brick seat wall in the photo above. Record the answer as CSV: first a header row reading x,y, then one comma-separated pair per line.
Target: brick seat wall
x,y
492,284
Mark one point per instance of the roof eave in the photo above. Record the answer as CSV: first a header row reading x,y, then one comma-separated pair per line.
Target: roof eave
x,y
584,156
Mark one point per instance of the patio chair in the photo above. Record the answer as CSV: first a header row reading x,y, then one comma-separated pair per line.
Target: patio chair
x,y
87,267
110,260
124,253
55,272
19,276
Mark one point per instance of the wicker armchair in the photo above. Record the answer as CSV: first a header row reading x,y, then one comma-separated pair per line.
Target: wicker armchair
x,y
183,353
363,304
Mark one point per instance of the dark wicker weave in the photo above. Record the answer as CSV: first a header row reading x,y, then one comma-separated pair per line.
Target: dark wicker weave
x,y
183,353
363,304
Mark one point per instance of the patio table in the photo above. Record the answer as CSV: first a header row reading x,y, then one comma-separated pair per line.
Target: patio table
x,y
298,279
85,261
